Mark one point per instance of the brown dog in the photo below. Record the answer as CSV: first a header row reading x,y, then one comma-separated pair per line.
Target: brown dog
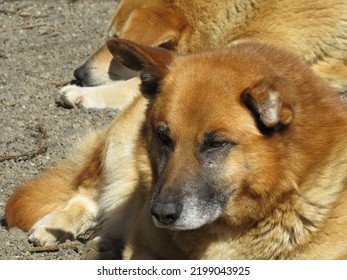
x,y
313,29
237,153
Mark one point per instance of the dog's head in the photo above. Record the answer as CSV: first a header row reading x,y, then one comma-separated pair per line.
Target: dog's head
x,y
220,128
153,23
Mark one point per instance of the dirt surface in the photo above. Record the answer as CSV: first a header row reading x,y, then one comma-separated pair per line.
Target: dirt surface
x,y
41,43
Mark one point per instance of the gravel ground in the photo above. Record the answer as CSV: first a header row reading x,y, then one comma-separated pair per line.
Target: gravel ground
x,y
41,43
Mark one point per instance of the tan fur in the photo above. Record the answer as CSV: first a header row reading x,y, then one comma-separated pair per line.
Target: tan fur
x,y
101,96
53,192
255,139
289,203
314,30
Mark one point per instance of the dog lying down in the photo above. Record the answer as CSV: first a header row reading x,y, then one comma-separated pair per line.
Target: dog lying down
x,y
234,153
315,30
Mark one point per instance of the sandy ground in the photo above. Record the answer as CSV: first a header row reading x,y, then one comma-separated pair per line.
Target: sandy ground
x,y
41,43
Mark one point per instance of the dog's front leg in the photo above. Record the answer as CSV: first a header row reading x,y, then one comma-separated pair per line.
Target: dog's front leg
x,y
116,95
72,219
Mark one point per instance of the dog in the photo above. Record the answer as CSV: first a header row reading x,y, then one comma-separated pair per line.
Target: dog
x,y
232,153
314,30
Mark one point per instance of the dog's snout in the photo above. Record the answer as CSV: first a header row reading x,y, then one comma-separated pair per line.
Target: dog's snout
x,y
79,73
166,213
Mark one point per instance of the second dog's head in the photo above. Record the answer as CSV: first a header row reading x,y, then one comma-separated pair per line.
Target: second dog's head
x,y
152,23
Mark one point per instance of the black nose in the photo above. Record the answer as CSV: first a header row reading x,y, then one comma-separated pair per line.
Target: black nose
x,y
166,212
79,73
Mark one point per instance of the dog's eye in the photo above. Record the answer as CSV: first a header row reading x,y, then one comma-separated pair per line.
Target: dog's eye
x,y
163,138
217,144
214,145
163,135
169,45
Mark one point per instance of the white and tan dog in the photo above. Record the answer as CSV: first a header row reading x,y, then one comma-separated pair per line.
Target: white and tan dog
x,y
313,29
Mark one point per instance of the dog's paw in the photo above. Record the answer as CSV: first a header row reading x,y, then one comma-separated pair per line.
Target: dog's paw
x,y
45,232
101,248
71,96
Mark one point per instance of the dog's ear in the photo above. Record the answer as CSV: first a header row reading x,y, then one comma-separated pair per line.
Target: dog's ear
x,y
152,62
153,25
271,102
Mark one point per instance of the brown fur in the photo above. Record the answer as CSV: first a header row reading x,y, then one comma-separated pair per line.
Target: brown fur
x,y
290,179
315,30
51,191
308,28
246,139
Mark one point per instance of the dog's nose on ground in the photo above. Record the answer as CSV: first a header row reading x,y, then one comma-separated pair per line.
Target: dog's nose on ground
x,y
79,73
166,213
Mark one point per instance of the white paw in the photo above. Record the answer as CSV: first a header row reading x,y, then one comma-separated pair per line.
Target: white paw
x,y
47,232
71,96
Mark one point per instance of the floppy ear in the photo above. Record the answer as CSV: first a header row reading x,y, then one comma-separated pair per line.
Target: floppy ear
x,y
271,102
152,62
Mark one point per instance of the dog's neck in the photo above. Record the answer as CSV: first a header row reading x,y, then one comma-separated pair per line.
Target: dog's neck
x,y
199,16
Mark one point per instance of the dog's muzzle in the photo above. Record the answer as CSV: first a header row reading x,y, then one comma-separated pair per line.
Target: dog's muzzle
x,y
166,213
